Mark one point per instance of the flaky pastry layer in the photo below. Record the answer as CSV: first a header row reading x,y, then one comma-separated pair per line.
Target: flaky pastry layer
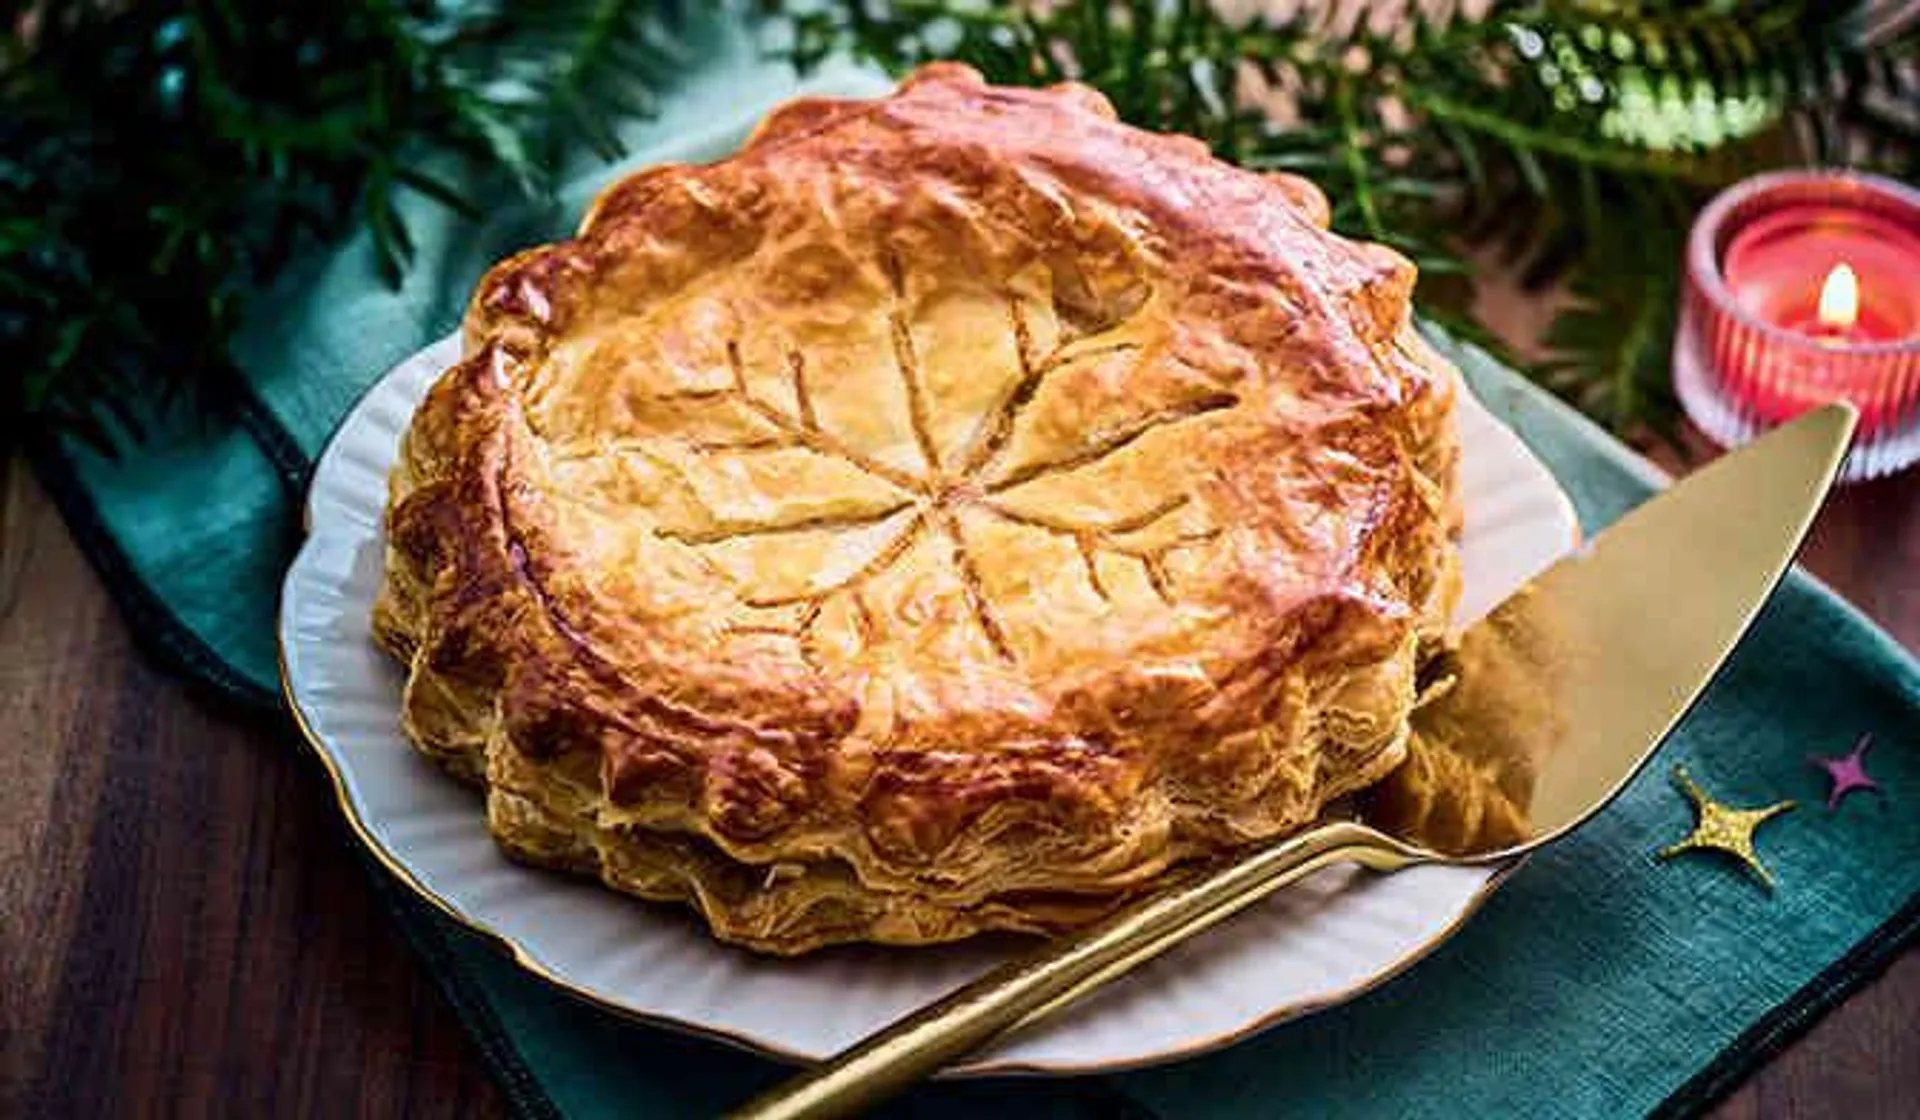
x,y
946,514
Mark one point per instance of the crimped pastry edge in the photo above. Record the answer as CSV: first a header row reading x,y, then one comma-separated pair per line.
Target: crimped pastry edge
x,y
530,813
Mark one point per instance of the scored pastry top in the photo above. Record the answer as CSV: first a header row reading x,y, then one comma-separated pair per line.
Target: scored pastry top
x,y
963,489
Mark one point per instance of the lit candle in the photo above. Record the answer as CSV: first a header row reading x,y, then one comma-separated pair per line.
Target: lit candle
x,y
1837,318
1803,288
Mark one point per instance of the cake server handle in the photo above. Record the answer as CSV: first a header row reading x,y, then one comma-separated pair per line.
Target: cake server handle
x,y
1056,973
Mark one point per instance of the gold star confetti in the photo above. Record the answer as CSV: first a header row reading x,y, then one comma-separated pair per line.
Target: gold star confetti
x,y
1721,828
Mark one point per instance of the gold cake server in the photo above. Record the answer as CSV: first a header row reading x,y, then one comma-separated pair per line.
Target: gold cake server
x,y
1620,638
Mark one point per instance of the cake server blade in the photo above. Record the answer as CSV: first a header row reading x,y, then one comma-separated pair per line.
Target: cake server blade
x,y
1628,632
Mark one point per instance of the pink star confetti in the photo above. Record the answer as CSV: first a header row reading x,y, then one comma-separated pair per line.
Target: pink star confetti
x,y
1848,772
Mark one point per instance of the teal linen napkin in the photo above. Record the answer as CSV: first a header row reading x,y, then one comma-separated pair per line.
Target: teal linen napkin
x,y
1596,982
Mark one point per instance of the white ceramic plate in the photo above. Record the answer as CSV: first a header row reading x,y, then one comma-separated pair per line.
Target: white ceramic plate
x,y
1326,939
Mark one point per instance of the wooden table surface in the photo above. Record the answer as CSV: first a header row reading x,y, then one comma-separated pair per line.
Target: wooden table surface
x,y
185,931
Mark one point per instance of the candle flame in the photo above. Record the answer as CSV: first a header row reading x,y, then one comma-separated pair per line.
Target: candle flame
x,y
1840,298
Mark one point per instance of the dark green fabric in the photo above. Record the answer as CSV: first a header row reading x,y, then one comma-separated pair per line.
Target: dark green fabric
x,y
1597,982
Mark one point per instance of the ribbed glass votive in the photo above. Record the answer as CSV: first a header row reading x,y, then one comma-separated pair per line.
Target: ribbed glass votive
x,y
1804,288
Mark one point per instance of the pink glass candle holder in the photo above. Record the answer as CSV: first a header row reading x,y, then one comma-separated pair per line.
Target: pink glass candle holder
x,y
1804,288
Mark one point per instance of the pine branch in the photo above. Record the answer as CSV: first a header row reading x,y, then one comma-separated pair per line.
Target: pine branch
x,y
1613,346
254,132
1540,127
159,161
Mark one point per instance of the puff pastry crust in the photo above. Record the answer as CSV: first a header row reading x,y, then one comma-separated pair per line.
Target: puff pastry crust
x,y
948,513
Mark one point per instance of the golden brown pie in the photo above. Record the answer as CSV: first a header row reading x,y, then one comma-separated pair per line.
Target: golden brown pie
x,y
946,514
